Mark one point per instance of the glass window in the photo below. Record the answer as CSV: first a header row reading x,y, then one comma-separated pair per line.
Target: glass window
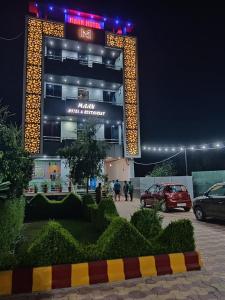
x,y
49,90
175,188
51,129
54,90
109,96
218,190
115,133
83,94
152,189
161,188
54,52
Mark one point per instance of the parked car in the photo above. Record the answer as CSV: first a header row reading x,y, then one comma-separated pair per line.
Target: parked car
x,y
171,195
211,203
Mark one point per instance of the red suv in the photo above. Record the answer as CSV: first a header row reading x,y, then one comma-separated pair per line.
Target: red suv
x,y
172,195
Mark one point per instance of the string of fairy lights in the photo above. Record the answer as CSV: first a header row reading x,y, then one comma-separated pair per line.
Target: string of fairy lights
x,y
165,149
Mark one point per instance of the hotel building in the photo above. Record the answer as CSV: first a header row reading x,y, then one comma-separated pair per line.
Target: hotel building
x,y
79,67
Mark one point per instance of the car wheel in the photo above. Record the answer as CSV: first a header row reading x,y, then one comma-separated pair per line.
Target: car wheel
x,y
199,214
187,209
164,207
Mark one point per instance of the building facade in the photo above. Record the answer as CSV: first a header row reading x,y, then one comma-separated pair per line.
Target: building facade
x,y
79,67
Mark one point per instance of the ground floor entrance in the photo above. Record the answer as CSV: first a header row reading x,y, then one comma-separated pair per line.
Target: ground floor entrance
x,y
51,174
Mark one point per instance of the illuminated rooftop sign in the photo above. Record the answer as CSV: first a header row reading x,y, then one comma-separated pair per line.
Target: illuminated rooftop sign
x,y
84,22
86,34
85,109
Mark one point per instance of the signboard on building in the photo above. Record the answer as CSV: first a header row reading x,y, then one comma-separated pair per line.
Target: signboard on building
x,y
86,109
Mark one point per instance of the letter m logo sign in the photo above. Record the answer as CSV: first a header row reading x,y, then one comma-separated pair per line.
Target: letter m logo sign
x,y
86,34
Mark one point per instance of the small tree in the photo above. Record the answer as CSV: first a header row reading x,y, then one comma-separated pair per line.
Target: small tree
x,y
164,169
85,156
15,164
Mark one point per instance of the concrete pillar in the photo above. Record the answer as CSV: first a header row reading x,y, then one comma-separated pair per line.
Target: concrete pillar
x,y
131,168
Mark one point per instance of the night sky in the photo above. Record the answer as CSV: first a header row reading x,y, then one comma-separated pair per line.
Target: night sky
x,y
181,71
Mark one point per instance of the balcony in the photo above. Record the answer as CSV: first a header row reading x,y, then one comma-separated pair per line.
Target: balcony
x,y
51,144
88,69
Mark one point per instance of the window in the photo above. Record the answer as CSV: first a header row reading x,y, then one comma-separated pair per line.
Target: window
x,y
175,189
152,189
218,190
51,129
114,132
109,96
54,52
83,94
111,132
54,90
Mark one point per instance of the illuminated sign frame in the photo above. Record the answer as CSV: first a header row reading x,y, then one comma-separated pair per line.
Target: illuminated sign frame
x,y
36,30
84,22
85,109
131,101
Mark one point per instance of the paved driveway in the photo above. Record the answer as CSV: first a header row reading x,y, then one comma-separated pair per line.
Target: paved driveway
x,y
206,284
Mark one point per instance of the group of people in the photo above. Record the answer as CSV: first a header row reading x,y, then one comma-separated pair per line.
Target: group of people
x,y
114,189
128,189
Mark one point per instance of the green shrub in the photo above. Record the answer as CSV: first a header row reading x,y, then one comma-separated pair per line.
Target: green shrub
x,y
148,222
88,199
55,245
107,206
105,213
71,206
11,222
121,239
87,203
37,208
178,236
41,208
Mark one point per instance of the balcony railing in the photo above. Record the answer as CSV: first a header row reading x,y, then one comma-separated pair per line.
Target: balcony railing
x,y
59,139
80,99
88,62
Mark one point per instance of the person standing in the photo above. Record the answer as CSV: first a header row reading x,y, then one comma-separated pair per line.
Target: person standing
x,y
131,190
117,189
125,189
98,193
111,188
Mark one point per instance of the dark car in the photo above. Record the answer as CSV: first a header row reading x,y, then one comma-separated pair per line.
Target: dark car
x,y
211,203
171,195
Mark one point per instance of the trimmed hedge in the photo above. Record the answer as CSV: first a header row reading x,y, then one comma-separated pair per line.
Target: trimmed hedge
x,y
41,208
148,222
121,239
88,204
55,245
103,216
11,222
178,236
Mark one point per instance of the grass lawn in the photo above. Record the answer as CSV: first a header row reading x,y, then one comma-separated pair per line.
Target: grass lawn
x,y
83,231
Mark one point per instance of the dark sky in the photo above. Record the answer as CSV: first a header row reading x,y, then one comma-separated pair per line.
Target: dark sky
x,y
181,68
